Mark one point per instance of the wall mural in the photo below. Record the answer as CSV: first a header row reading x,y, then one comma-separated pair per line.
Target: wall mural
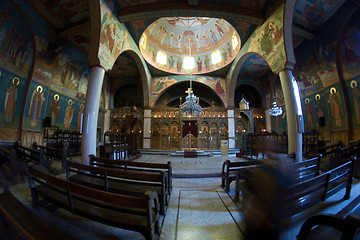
x,y
213,43
16,54
267,40
158,84
115,38
57,77
254,67
13,88
328,105
72,79
317,76
313,13
35,106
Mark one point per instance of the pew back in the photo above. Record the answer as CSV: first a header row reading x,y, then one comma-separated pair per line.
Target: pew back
x,y
128,212
134,166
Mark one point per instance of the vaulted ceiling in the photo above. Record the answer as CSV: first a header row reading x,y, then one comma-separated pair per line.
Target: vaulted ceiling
x,y
72,19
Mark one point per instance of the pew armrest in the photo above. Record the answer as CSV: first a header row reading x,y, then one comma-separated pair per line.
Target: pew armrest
x,y
347,226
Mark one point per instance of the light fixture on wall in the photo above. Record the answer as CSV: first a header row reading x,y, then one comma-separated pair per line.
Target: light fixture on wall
x,y
191,105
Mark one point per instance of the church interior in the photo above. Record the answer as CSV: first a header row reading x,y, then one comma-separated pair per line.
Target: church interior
x,y
124,119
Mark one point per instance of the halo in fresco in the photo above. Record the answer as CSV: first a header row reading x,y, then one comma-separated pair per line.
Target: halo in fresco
x,y
16,80
353,84
39,89
182,44
332,90
317,97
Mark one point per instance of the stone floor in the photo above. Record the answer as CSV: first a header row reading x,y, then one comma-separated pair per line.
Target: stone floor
x,y
198,209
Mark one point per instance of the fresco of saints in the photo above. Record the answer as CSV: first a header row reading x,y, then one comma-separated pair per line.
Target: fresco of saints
x,y
218,87
335,106
197,43
54,110
206,40
171,62
82,88
111,30
207,62
213,37
199,64
10,100
6,43
220,30
309,113
224,55
179,64
356,97
35,105
159,85
319,106
179,43
68,114
171,39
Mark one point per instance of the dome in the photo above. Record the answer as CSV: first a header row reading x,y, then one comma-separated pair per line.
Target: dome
x,y
180,44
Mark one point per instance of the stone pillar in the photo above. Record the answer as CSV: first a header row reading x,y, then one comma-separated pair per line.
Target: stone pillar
x,y
107,116
147,129
295,123
231,129
91,111
268,120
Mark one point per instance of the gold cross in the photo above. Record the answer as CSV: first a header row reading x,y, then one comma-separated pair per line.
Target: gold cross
x,y
189,91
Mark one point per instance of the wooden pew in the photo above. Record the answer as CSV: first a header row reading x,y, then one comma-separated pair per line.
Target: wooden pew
x,y
119,181
21,156
19,222
231,169
53,154
140,214
134,166
329,153
305,170
342,225
30,155
304,195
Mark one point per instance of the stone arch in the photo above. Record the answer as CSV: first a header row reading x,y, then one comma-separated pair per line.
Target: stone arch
x,y
233,77
176,85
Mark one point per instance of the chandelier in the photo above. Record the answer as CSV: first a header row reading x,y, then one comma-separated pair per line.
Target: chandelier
x,y
275,110
191,105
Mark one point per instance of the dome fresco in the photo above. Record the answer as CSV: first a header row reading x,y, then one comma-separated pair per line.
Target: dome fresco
x,y
180,44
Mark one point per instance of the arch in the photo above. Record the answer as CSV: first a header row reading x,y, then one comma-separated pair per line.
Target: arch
x,y
198,85
233,77
256,88
144,75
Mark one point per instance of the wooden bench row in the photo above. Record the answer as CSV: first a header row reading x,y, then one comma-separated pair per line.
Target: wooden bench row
x,y
136,213
343,225
18,157
133,183
19,222
134,166
306,194
230,170
304,170
119,146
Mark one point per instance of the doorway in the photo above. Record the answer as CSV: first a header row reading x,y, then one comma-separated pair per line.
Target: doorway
x,y
189,127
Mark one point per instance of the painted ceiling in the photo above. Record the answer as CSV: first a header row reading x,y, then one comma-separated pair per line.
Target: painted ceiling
x,y
189,41
71,17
